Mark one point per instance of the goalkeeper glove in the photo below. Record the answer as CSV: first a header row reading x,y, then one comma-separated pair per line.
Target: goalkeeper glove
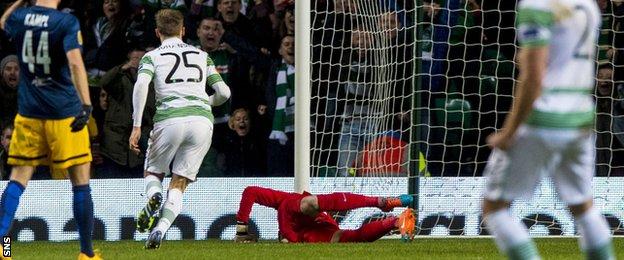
x,y
82,118
243,235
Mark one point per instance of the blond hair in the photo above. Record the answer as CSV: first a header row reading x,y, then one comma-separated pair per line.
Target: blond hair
x,y
169,22
231,122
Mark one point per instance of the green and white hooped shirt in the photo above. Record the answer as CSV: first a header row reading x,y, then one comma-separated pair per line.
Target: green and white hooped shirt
x,y
180,73
569,28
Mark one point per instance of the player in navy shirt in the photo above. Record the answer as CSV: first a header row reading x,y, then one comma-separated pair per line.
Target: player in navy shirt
x,y
53,109
46,89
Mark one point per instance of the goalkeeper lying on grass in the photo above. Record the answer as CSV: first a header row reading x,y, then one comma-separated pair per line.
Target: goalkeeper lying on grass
x,y
303,217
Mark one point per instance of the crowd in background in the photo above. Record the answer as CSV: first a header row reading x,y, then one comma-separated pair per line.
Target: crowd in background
x,y
363,76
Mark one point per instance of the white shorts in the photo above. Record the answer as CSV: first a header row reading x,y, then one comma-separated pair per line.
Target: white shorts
x,y
567,156
185,143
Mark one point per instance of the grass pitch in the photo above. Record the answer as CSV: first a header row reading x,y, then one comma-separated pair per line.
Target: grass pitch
x,y
420,248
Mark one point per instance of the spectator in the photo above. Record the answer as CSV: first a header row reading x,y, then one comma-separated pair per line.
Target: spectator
x,y
264,20
98,114
151,7
118,82
280,96
263,9
233,56
356,129
99,110
609,125
109,35
9,69
605,39
286,24
5,140
243,152
210,32
231,59
203,8
385,155
335,34
237,23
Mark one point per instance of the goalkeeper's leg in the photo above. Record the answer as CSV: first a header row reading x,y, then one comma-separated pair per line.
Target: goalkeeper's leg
x,y
313,204
375,230
148,216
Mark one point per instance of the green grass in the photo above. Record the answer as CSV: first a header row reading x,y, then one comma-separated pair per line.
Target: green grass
x,y
421,248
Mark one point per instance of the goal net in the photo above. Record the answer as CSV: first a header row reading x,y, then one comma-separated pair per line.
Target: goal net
x,y
404,94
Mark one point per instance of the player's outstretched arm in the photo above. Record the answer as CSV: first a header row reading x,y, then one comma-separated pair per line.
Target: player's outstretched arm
x,y
9,11
284,221
252,195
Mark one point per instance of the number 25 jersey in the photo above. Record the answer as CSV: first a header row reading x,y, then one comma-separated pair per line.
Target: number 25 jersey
x,y
180,73
42,37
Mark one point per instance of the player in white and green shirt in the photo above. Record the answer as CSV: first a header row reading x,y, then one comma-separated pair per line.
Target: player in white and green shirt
x,y
549,130
183,123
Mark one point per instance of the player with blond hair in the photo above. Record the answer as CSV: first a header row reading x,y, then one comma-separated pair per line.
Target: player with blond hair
x,y
183,123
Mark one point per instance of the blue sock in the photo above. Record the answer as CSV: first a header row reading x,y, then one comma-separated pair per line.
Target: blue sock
x,y
83,214
8,205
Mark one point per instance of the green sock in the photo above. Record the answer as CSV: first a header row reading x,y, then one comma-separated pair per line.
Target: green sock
x,y
523,251
604,252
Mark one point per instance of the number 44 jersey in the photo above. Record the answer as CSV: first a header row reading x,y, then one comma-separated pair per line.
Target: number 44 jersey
x,y
180,73
569,29
42,37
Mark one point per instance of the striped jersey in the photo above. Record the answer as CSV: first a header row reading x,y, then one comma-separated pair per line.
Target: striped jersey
x,y
569,28
180,73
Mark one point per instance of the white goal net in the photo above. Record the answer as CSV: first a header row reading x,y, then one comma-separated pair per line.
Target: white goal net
x,y
405,93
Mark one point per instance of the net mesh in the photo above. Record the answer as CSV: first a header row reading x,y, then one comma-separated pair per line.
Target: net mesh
x,y
362,80
413,88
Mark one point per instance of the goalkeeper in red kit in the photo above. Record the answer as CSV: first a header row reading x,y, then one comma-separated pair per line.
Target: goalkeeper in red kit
x,y
303,217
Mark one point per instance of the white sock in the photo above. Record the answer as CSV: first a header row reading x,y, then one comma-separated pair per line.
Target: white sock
x,y
511,236
171,209
595,234
153,185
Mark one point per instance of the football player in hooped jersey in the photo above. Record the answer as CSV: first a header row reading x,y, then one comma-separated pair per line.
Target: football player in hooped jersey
x,y
183,123
53,109
549,129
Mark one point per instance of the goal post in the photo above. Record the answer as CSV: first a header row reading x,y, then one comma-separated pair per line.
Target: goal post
x,y
302,97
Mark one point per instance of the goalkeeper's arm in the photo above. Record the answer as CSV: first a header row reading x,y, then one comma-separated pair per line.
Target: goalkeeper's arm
x,y
255,195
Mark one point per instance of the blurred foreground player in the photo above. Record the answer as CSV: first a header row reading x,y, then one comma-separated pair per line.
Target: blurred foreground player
x,y
304,218
53,109
550,127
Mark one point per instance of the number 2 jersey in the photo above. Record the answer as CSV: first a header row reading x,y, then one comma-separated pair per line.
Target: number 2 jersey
x,y
42,37
569,28
180,73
